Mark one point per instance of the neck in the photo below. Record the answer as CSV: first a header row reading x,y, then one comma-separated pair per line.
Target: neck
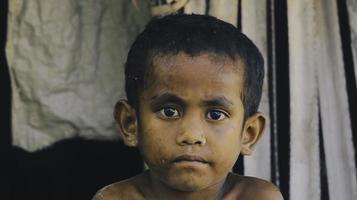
x,y
160,190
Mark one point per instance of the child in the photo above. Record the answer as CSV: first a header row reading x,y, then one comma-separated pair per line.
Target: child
x,y
193,85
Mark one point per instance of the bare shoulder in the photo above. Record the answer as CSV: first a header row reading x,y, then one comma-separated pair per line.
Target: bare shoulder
x,y
127,189
253,188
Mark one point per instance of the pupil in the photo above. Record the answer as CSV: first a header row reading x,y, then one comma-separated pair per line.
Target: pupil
x,y
215,115
169,112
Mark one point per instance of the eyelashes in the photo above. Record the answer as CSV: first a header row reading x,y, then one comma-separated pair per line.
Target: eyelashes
x,y
216,115
172,113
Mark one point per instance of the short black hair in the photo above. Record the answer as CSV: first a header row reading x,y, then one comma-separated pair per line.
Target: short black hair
x,y
194,35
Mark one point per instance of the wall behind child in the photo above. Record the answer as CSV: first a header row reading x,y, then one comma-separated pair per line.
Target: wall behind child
x,y
64,58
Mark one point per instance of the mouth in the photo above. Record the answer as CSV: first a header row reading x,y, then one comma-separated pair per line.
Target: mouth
x,y
190,159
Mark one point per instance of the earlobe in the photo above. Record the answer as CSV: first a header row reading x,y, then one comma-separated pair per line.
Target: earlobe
x,y
252,132
126,118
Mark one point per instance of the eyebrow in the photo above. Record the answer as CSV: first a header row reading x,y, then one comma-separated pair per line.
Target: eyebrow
x,y
158,100
219,101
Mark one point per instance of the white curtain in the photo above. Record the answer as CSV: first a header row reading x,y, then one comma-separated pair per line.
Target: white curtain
x,y
66,66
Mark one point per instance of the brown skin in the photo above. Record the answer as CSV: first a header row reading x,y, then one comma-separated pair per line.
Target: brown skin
x,y
190,131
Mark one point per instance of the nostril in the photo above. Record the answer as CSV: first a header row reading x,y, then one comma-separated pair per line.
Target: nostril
x,y
196,140
202,141
191,133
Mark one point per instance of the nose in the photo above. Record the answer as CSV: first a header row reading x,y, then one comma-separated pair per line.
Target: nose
x,y
191,133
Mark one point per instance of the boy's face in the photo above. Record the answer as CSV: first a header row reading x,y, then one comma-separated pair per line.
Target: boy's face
x,y
191,117
190,120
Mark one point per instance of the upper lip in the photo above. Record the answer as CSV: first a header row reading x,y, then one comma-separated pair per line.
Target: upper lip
x,y
187,157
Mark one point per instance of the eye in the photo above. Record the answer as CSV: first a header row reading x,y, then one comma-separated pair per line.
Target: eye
x,y
216,115
169,112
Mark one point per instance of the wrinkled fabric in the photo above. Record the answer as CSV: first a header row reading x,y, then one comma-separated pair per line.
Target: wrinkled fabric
x,y
66,65
352,14
318,103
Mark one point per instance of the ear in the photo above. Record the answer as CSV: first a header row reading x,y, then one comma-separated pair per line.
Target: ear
x,y
126,118
252,132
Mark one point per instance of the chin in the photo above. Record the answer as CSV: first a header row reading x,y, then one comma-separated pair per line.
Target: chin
x,y
188,184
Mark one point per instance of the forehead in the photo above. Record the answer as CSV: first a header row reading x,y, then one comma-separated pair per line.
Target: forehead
x,y
169,61
173,64
205,73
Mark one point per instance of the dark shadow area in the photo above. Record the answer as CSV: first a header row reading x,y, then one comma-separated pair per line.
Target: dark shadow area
x,y
323,169
5,105
239,165
70,169
282,93
344,22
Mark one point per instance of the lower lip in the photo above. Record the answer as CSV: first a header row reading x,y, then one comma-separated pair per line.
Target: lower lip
x,y
187,163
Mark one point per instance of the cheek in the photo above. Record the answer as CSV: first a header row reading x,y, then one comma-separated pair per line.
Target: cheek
x,y
154,144
226,144
228,134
